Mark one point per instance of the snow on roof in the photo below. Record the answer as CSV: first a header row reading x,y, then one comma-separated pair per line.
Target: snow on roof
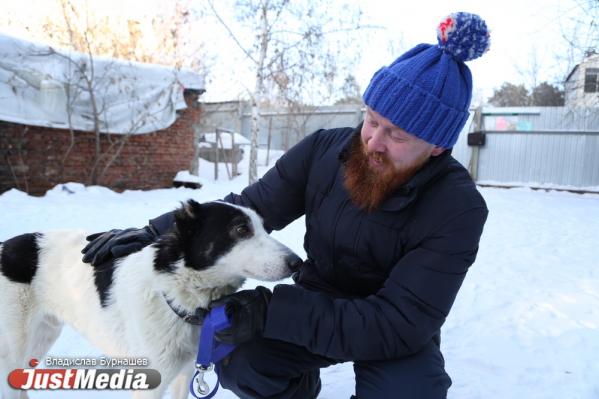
x,y
43,86
185,176
226,139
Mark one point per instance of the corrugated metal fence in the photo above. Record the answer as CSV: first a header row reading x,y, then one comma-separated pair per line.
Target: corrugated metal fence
x,y
544,147
279,127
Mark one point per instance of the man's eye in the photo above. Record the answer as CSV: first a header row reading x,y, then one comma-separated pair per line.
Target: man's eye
x,y
397,137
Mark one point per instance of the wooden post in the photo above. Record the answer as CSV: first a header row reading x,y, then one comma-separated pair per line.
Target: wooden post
x,y
239,122
233,155
217,133
359,115
220,141
269,140
477,126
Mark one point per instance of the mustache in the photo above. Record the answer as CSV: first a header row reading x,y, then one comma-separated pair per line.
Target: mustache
x,y
376,155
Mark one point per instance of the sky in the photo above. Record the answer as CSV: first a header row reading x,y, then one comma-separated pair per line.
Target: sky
x,y
522,33
519,29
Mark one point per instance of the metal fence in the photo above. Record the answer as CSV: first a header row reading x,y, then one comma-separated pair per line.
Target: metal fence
x,y
545,147
279,127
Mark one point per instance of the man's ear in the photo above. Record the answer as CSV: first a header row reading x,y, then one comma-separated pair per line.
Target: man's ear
x,y
437,151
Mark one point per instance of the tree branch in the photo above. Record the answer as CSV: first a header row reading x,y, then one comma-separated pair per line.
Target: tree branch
x,y
248,54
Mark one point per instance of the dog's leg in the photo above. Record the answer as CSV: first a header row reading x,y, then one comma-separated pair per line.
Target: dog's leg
x,y
9,393
15,394
44,333
15,306
179,388
38,336
158,392
24,334
155,393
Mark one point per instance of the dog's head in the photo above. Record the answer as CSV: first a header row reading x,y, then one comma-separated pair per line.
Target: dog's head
x,y
223,242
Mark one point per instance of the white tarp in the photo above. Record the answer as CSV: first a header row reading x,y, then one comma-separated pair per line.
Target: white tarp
x,y
43,86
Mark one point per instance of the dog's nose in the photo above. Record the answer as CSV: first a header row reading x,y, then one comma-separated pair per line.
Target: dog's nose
x,y
293,262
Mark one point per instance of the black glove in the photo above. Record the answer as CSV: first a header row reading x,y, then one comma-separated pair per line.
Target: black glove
x,y
116,243
247,312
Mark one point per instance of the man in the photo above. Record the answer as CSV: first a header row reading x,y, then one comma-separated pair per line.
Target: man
x,y
393,223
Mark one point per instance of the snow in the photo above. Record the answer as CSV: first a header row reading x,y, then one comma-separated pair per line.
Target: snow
x,y
185,176
525,323
540,186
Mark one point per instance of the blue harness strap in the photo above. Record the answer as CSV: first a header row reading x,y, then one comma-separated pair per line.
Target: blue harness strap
x,y
210,351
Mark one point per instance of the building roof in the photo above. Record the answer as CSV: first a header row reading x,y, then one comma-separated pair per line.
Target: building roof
x,y
572,72
44,86
590,59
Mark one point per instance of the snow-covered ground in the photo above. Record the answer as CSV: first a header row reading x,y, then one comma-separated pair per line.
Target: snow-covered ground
x,y
525,323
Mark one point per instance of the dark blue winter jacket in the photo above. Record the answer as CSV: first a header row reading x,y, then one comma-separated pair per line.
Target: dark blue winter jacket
x,y
375,285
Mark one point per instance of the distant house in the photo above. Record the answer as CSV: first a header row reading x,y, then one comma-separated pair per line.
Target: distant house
x,y
71,117
582,84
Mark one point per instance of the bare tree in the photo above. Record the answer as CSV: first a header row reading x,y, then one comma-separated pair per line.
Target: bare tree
x,y
579,27
84,80
530,72
78,93
13,150
352,93
95,38
288,51
170,40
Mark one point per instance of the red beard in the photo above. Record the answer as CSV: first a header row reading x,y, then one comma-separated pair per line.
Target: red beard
x,y
368,188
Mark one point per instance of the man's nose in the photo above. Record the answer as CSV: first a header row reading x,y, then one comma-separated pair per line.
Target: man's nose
x,y
376,142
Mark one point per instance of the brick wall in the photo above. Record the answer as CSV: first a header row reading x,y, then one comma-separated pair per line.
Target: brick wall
x,y
32,158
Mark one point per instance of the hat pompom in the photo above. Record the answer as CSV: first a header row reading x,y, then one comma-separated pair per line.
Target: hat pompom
x,y
463,35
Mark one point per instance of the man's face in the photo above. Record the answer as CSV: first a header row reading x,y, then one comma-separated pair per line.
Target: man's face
x,y
384,141
383,158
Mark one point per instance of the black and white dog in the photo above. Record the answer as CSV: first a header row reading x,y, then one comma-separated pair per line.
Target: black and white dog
x,y
136,306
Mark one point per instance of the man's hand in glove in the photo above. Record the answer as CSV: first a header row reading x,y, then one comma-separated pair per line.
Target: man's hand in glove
x,y
247,311
116,243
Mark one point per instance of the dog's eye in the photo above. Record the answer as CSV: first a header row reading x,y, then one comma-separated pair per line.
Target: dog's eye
x,y
242,230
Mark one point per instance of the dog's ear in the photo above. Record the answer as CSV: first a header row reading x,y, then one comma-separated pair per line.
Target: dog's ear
x,y
188,217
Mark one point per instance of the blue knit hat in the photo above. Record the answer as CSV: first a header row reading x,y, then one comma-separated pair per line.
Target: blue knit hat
x,y
427,91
